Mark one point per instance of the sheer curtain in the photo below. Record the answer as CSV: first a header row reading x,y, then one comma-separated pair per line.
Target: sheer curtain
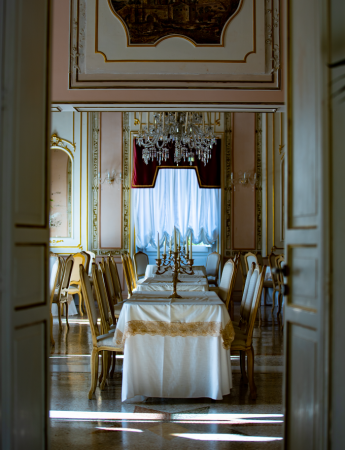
x,y
176,201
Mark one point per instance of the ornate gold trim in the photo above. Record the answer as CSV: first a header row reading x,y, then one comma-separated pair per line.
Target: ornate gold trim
x,y
228,190
64,144
174,61
258,138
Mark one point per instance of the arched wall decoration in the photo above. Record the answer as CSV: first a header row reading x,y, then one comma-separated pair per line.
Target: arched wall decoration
x,y
62,144
165,13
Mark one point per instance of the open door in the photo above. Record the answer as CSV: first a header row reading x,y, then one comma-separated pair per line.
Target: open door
x,y
307,231
24,204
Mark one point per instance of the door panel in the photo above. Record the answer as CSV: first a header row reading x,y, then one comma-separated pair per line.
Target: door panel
x,y
24,232
306,243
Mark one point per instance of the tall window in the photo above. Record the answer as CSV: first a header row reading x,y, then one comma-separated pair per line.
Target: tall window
x,y
176,201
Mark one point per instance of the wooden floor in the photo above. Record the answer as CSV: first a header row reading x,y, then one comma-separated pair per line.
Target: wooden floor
x,y
105,422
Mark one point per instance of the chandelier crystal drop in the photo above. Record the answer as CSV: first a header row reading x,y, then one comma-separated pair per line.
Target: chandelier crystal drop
x,y
193,138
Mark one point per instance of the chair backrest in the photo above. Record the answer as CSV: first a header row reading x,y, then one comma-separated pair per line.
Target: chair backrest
x,y
259,258
226,279
279,264
116,279
212,264
92,260
233,281
246,287
102,299
248,300
54,278
108,283
250,258
79,258
141,261
272,262
131,271
69,263
127,274
87,261
52,259
255,303
89,303
243,266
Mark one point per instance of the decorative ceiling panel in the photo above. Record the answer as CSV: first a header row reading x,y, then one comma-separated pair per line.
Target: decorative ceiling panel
x,y
175,44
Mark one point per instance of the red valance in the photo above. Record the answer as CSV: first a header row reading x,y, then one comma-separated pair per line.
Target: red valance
x,y
145,175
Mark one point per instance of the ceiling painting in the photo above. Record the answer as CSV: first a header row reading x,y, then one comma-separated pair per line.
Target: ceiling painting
x,y
200,21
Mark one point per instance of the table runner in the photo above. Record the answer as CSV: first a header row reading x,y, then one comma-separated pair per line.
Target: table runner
x,y
193,315
164,283
151,269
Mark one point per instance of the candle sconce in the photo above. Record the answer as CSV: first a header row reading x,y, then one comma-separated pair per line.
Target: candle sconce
x,y
110,178
244,179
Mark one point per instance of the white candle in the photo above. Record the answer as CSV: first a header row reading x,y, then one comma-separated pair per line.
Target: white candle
x,y
187,248
191,240
179,241
170,243
165,246
175,246
158,250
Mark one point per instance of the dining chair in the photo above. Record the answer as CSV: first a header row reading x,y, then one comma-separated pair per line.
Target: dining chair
x,y
280,279
141,261
243,270
92,260
54,278
243,340
61,293
226,284
131,272
212,268
87,261
75,285
100,342
127,275
116,279
250,258
275,282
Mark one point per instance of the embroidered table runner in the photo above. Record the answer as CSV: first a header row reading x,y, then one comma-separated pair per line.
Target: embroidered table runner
x,y
193,315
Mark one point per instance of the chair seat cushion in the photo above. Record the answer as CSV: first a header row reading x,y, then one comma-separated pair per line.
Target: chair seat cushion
x,y
239,342
107,340
73,290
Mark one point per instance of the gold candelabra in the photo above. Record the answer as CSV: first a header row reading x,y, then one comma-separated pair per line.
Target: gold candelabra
x,y
179,263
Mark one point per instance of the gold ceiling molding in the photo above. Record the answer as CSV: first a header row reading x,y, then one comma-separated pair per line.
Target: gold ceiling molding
x,y
106,60
95,124
174,35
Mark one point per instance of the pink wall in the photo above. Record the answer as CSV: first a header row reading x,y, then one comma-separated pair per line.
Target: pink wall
x,y
243,198
59,191
110,195
61,94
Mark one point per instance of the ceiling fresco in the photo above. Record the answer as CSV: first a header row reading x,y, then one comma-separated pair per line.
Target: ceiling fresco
x,y
149,21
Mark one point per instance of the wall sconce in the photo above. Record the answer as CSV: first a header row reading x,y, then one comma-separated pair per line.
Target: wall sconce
x,y
110,178
244,179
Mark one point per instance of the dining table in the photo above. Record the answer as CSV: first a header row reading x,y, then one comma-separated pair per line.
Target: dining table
x,y
175,348
154,281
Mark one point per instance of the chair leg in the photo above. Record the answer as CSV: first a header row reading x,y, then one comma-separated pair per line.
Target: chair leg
x,y
94,372
100,378
243,367
105,369
59,314
67,314
250,363
273,300
80,304
113,365
280,300
51,330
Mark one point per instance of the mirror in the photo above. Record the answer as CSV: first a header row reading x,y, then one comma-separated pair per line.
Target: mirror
x,y
60,219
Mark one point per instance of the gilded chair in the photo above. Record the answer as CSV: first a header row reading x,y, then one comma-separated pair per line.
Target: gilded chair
x,y
243,270
127,275
110,292
107,319
141,261
116,279
226,284
250,258
87,261
100,342
61,293
212,268
131,272
75,285
54,279
92,260
275,282
243,339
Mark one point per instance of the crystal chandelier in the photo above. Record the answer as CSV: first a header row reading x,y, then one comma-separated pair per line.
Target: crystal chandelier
x,y
187,130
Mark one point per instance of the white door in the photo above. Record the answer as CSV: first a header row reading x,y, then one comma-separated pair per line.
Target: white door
x,y
307,233
24,231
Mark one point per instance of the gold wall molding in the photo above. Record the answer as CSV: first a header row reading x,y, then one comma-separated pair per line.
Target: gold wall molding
x,y
95,121
227,188
258,138
64,144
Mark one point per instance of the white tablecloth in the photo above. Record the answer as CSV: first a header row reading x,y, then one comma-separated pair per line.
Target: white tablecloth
x,y
164,283
151,270
175,348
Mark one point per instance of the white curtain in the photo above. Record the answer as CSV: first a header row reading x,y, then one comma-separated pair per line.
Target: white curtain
x,y
176,201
